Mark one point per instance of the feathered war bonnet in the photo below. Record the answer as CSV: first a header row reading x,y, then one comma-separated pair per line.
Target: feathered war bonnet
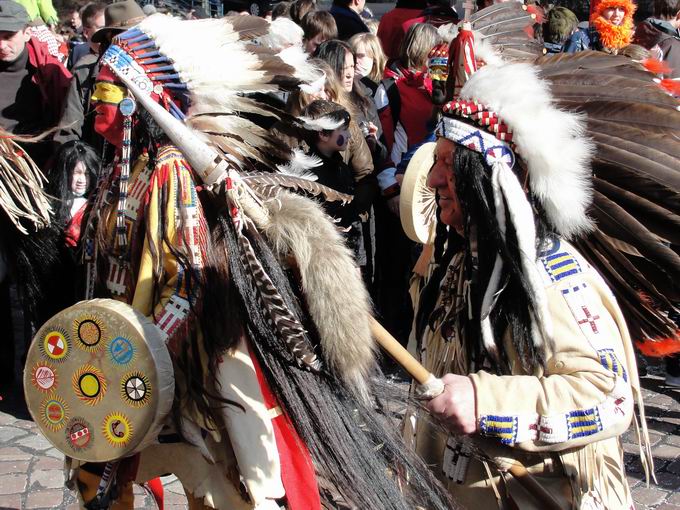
x,y
210,75
534,152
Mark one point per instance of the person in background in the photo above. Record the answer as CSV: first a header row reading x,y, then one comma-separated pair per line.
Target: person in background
x,y
318,26
661,35
612,26
77,119
300,8
437,13
74,21
372,25
34,83
370,59
281,10
391,30
561,32
347,14
93,19
333,171
42,10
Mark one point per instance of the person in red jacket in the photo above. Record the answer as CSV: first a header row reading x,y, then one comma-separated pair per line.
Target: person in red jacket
x,y
34,83
391,29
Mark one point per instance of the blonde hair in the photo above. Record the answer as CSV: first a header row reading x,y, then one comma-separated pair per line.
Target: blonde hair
x,y
374,48
416,46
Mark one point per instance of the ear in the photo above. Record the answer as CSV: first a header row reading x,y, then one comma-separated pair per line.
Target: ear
x,y
26,35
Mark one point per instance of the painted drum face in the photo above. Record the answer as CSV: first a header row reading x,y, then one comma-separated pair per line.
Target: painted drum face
x,y
99,381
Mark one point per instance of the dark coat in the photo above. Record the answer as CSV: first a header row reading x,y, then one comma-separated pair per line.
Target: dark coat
x,y
348,22
653,32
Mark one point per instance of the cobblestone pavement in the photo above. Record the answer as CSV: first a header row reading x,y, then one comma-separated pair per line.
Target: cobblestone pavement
x,y
31,475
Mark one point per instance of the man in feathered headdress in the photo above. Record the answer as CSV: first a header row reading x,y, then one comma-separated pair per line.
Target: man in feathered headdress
x,y
532,347
261,306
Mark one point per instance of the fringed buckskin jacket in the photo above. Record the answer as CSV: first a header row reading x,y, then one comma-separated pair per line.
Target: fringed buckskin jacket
x,y
562,423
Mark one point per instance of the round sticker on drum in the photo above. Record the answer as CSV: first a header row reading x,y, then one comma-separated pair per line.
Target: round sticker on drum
x,y
53,413
79,434
89,331
44,377
117,429
89,384
121,351
55,345
136,389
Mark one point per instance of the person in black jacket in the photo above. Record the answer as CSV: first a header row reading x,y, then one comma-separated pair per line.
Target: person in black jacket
x,y
347,17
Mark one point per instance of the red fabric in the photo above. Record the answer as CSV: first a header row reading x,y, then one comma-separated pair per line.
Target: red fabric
x,y
51,77
72,230
391,29
297,470
415,93
156,488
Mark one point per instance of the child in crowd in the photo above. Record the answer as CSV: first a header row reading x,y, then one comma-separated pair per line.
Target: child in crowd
x,y
328,134
318,26
73,177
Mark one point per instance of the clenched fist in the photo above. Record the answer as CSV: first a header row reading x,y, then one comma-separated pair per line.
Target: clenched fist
x,y
455,407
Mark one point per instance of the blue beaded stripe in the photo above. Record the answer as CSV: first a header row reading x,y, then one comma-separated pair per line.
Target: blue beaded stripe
x,y
502,427
611,362
583,423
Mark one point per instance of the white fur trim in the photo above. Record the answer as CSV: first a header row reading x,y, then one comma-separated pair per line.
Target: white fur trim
x,y
336,296
552,142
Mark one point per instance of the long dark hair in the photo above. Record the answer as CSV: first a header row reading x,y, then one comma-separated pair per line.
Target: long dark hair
x,y
333,52
481,241
69,155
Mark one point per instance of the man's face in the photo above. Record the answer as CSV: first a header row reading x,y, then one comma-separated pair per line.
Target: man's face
x,y
12,44
107,95
358,5
442,179
614,15
95,24
74,20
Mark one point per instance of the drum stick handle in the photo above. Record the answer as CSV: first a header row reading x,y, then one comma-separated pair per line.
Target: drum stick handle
x,y
423,376
392,347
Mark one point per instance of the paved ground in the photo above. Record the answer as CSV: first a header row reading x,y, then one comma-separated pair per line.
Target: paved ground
x,y
31,474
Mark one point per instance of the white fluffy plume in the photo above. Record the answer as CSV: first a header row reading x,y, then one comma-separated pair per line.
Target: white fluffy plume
x,y
551,142
300,164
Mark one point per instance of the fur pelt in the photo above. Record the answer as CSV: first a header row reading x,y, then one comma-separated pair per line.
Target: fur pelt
x,y
551,142
335,294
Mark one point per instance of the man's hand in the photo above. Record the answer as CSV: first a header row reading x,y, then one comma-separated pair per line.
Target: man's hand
x,y
455,408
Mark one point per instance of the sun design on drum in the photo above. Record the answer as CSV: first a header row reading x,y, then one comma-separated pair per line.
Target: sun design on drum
x,y
55,345
117,429
89,332
135,389
89,384
53,413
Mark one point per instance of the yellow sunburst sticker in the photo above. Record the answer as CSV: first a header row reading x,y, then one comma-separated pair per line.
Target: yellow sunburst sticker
x,y
89,332
117,429
89,384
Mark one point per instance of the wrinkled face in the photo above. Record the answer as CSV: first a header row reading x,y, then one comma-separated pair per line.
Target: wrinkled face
x,y
347,75
313,43
364,61
614,15
12,44
107,95
442,179
80,180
